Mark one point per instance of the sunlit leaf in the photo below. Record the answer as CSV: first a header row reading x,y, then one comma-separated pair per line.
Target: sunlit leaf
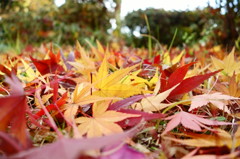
x,y
102,122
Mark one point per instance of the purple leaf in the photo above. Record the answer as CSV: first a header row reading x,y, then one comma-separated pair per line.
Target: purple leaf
x,y
125,152
136,120
71,58
125,102
73,148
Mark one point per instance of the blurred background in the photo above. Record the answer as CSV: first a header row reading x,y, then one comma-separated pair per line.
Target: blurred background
x,y
130,23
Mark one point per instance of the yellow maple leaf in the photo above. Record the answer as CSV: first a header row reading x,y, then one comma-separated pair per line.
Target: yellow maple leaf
x,y
112,85
228,64
45,98
139,82
29,74
81,96
232,89
102,122
99,52
85,65
167,59
133,79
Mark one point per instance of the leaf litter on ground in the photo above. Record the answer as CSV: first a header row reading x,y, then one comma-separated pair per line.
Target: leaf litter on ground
x,y
88,104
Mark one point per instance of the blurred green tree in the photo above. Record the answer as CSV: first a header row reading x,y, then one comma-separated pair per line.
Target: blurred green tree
x,y
43,21
163,25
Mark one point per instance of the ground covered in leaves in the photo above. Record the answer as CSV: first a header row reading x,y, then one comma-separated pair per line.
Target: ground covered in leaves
x,y
110,103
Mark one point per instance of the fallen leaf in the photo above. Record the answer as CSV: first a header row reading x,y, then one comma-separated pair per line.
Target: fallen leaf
x,y
178,75
102,122
227,156
80,97
111,85
28,74
217,139
217,99
71,58
231,89
9,145
190,121
153,103
4,70
122,153
130,122
53,107
167,59
125,102
74,148
50,65
83,64
190,83
13,111
228,64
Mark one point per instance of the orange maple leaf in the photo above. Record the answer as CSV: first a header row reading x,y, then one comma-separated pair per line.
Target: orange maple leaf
x,y
102,122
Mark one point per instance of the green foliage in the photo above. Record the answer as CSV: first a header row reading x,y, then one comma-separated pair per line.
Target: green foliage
x,y
89,19
211,26
163,24
39,22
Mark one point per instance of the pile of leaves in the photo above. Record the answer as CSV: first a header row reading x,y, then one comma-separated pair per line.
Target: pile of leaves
x,y
108,104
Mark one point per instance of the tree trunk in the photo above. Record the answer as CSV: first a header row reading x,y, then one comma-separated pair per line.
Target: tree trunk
x,y
118,18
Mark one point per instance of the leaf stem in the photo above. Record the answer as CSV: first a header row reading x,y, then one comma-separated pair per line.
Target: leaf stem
x,y
53,124
174,104
174,36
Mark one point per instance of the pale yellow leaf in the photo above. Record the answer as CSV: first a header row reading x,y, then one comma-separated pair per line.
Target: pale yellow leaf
x,y
82,67
82,96
153,103
113,116
96,127
70,112
81,90
100,108
102,122
94,98
45,98
199,142
82,51
221,138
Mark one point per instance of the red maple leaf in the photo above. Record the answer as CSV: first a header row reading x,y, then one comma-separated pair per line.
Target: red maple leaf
x,y
13,110
50,65
56,103
185,85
